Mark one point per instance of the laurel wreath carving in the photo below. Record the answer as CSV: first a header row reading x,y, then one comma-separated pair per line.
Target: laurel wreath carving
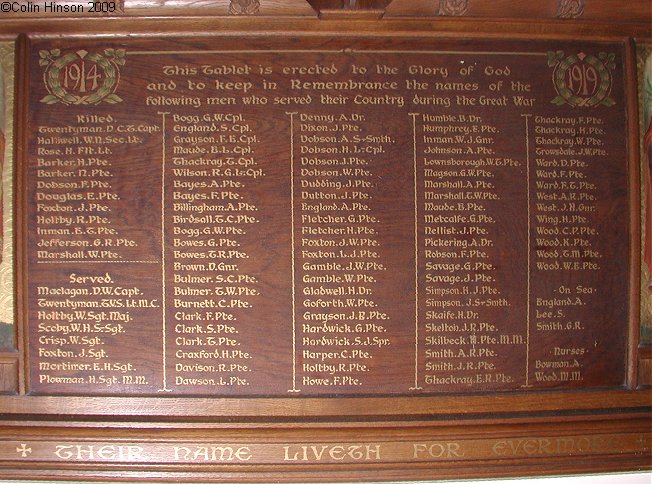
x,y
603,64
53,62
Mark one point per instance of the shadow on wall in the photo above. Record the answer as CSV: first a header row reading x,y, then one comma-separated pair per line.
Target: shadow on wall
x,y
6,330
6,335
646,91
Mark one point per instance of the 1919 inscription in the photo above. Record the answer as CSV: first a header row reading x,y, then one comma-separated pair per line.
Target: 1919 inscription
x,y
256,220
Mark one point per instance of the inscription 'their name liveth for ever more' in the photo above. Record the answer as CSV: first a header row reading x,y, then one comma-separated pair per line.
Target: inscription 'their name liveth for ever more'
x,y
257,220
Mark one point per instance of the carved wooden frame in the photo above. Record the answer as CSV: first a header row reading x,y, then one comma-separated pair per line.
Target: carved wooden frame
x,y
314,439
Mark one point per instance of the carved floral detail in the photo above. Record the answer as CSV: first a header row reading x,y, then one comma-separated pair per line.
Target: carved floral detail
x,y
570,8
453,8
244,7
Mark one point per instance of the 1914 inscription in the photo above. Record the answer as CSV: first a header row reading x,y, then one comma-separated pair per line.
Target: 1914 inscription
x,y
253,220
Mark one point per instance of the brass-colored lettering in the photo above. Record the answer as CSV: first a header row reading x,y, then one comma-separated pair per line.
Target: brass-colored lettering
x,y
212,453
437,450
88,452
332,452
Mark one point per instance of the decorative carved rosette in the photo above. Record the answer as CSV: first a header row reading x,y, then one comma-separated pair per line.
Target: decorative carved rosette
x,y
453,8
244,7
570,9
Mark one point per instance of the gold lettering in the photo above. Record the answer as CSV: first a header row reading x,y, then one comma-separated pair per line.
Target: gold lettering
x,y
437,450
212,453
332,452
561,445
104,452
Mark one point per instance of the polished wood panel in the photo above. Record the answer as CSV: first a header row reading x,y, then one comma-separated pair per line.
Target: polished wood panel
x,y
492,229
